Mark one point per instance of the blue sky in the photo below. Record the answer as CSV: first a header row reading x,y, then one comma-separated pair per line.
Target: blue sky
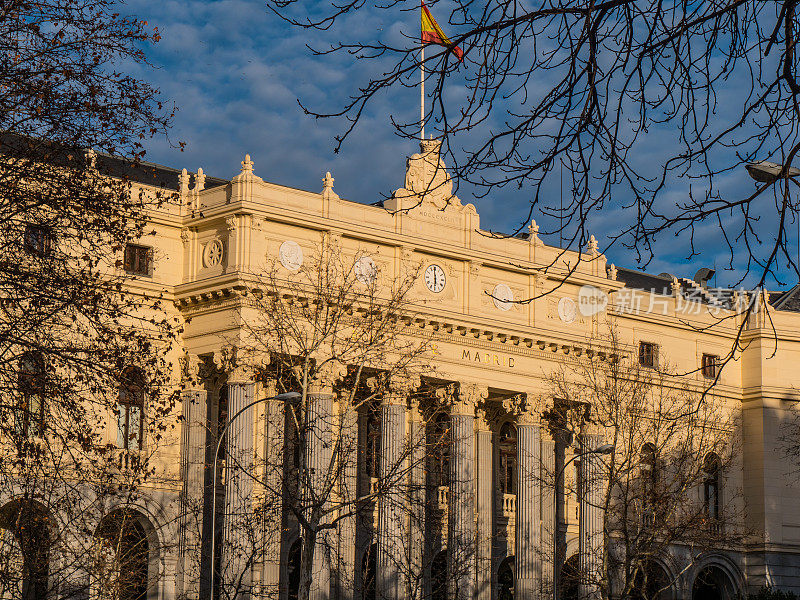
x,y
236,72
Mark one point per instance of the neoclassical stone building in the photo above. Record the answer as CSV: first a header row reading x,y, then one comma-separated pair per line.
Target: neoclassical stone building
x,y
493,356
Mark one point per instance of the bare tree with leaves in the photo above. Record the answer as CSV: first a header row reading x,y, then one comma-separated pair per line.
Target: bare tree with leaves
x,y
85,353
655,458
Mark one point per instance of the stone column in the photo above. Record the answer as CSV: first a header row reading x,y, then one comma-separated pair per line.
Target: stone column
x,y
549,526
238,543
484,506
392,472
461,499
272,473
193,452
416,499
590,512
527,536
348,495
319,422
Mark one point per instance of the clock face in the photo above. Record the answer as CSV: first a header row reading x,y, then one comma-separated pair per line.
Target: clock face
x,y
434,278
365,270
567,311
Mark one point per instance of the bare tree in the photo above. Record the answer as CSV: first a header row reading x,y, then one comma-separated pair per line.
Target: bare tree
x,y
628,101
653,454
340,333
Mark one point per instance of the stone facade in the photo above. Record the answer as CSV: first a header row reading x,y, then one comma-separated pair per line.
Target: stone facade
x,y
493,351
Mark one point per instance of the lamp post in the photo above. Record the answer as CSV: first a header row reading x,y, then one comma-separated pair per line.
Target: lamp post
x,y
769,172
284,397
605,449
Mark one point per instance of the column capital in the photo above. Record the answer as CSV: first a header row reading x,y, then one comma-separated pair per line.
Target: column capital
x,y
527,418
469,396
326,375
190,366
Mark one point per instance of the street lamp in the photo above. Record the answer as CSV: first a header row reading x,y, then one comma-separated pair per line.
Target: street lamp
x,y
764,171
769,172
284,397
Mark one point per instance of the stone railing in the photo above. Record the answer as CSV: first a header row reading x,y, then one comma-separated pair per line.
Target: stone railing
x,y
443,493
509,505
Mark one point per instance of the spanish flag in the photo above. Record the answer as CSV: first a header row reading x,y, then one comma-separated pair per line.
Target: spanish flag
x,y
433,34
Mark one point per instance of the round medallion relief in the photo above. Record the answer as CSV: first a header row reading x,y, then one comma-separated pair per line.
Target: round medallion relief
x,y
366,270
567,310
503,297
212,253
291,255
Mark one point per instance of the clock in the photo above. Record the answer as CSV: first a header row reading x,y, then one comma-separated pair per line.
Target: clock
x,y
503,297
291,255
435,278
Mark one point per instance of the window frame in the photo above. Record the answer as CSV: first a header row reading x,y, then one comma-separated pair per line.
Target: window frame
x,y
37,240
652,362
130,396
507,448
709,370
135,266
31,384
712,481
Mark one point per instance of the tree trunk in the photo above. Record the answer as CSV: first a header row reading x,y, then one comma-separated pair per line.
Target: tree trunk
x,y
307,560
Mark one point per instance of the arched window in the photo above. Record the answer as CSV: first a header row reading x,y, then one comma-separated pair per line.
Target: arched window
x,y
508,458
569,579
505,579
712,583
29,415
25,528
122,556
711,486
130,408
372,439
369,566
649,474
650,582
439,443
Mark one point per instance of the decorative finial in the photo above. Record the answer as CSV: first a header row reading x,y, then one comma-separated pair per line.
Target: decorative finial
x,y
199,180
612,272
592,245
91,158
533,228
327,181
247,164
676,287
183,182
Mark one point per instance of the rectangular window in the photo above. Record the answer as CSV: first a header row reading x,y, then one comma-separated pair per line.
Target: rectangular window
x,y
648,355
129,426
37,240
29,416
709,365
137,259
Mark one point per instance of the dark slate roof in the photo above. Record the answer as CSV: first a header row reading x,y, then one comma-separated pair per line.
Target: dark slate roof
x,y
643,281
147,173
789,300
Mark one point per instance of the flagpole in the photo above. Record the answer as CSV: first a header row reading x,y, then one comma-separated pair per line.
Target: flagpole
x,y
422,90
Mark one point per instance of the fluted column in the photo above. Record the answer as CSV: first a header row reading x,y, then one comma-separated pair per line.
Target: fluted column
x,y
348,494
527,536
484,507
317,449
590,511
548,535
391,501
416,501
461,499
193,449
272,475
238,544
